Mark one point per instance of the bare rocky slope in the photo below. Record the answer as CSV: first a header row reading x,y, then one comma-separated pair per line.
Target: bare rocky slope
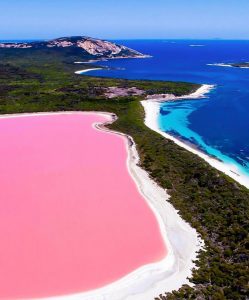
x,y
90,46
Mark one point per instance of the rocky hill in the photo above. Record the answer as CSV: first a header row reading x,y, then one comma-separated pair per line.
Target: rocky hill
x,y
90,46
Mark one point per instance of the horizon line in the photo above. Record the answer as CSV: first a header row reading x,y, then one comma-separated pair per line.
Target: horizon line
x,y
130,39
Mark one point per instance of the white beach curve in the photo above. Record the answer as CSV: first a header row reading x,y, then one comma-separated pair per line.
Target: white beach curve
x,y
87,70
181,240
152,110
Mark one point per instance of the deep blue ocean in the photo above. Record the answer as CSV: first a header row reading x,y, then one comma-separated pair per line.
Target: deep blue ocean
x,y
219,124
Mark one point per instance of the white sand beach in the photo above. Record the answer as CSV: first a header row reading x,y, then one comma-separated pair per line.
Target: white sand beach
x,y
200,93
181,240
152,109
87,70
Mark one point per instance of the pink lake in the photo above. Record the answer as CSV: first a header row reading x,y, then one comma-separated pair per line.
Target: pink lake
x,y
71,216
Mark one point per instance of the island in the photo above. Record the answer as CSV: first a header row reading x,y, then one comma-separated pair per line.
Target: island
x,y
40,77
243,65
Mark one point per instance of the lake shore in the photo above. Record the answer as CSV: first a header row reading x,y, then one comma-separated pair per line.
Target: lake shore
x,y
152,110
181,240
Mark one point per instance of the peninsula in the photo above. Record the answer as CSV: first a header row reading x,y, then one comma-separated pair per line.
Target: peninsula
x,y
86,47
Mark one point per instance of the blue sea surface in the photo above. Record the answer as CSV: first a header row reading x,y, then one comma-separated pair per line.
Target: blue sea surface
x,y
219,124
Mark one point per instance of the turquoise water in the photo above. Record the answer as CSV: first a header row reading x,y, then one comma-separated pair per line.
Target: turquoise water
x,y
219,124
174,119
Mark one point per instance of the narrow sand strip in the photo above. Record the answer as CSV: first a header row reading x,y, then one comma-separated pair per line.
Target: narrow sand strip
x,y
182,241
152,110
87,70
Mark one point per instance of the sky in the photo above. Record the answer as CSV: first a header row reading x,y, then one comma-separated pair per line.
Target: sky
x,y
126,19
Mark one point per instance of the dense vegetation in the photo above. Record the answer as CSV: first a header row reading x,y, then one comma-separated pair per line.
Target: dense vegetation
x,y
214,204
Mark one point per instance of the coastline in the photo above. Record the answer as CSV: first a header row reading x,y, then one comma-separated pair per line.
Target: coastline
x,y
87,70
198,94
152,109
111,58
227,65
106,59
182,241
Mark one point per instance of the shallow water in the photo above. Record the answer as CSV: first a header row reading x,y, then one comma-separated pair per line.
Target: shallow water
x,y
218,125
71,216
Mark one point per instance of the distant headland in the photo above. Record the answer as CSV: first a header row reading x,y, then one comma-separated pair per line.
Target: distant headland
x,y
241,65
87,47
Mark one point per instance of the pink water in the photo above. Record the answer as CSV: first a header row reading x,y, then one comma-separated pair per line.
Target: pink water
x,y
71,216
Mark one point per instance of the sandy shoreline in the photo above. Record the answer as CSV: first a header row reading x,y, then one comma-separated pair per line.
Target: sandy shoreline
x,y
200,93
182,241
109,58
152,110
87,70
